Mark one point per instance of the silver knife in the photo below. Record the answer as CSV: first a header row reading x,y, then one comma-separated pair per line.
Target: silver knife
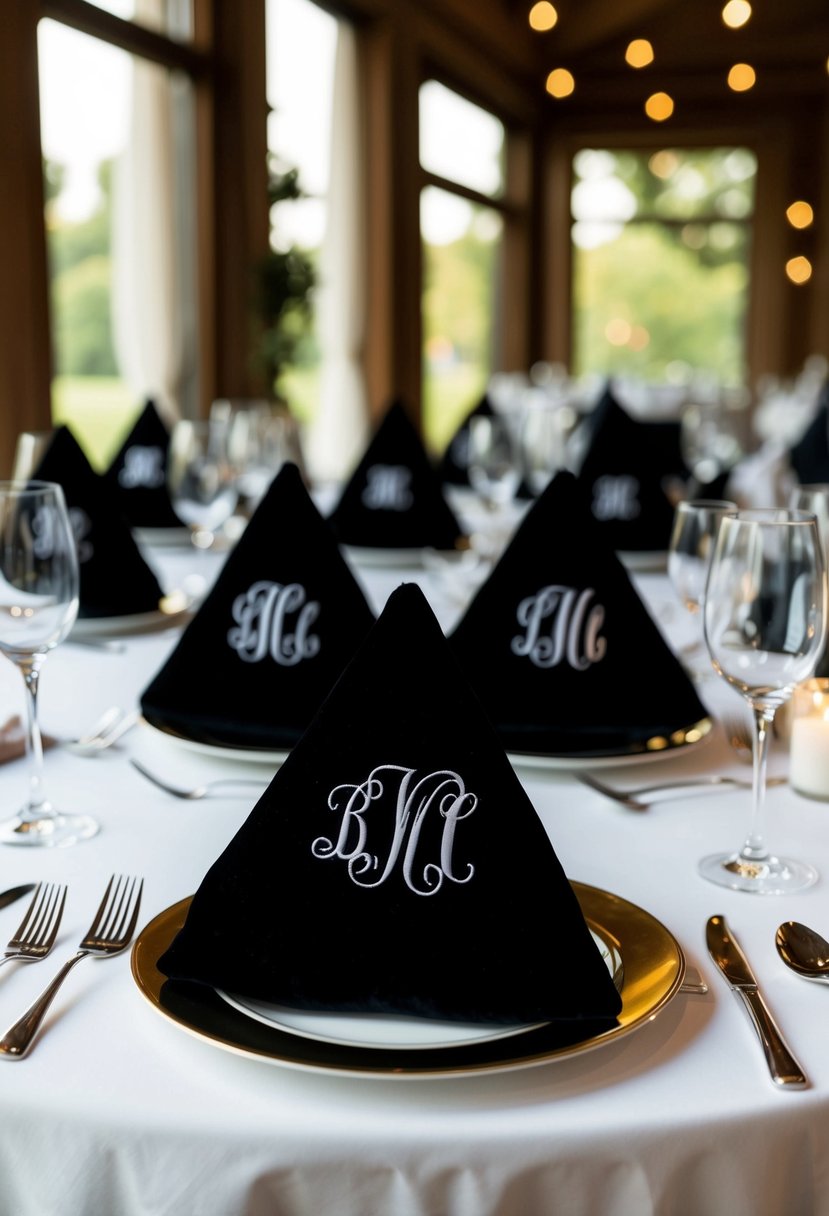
x,y
8,897
726,953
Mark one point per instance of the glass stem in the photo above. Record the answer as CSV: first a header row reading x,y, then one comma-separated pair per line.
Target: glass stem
x,y
755,848
36,807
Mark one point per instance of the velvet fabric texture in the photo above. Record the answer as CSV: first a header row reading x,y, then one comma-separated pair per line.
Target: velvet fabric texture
x,y
809,457
115,580
277,628
624,470
393,499
561,649
138,473
395,864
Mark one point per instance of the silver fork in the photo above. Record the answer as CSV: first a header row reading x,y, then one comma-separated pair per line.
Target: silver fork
x,y
110,932
631,798
109,728
200,791
36,933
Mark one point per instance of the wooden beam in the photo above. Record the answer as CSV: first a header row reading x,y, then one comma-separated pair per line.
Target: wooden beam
x,y
137,39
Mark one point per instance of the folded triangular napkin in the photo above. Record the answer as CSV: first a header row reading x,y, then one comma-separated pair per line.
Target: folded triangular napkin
x,y
626,466
139,473
393,499
115,580
395,864
561,649
809,457
281,621
453,466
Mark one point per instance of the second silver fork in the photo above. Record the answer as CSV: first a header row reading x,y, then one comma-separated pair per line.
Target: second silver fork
x,y
36,933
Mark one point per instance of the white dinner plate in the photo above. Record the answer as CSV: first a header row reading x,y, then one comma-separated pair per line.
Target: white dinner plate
x,y
381,1031
164,538
649,561
649,968
250,755
173,611
398,558
666,748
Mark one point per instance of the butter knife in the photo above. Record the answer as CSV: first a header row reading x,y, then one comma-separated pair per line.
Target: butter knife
x,y
8,897
726,953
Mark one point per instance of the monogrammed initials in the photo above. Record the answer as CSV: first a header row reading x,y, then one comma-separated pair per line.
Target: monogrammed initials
x,y
560,627
274,620
388,488
43,528
441,793
616,497
142,467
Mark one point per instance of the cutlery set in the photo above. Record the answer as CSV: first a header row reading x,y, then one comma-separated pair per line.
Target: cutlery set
x,y
111,932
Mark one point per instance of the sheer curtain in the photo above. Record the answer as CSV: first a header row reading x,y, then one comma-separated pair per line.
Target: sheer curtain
x,y
339,431
146,306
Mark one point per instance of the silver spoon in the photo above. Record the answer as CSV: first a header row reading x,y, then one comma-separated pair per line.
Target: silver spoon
x,y
803,950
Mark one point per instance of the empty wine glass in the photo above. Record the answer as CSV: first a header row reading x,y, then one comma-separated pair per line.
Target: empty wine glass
x,y
693,534
201,477
815,500
494,468
38,607
543,435
765,624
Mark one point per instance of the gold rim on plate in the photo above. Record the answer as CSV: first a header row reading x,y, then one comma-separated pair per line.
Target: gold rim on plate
x,y
654,968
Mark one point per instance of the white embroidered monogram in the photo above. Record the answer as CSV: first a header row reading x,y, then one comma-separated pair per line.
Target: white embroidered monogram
x,y
143,466
43,527
388,488
561,627
441,793
616,497
273,620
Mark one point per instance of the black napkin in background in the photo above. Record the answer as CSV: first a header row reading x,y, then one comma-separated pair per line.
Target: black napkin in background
x,y
393,499
479,925
286,564
625,466
115,580
453,466
809,457
138,473
634,691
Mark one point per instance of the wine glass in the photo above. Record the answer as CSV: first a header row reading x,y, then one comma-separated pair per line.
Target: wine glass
x,y
201,477
814,499
765,624
543,440
494,469
694,531
709,440
38,607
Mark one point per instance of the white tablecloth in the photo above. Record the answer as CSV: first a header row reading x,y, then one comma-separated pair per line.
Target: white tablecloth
x,y
116,1110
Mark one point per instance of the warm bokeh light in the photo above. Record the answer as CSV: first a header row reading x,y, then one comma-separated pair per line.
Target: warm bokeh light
x,y
799,269
741,77
543,16
659,106
639,53
800,214
560,83
639,338
663,164
736,13
618,331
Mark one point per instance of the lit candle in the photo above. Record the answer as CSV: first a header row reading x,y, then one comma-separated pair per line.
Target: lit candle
x,y
809,746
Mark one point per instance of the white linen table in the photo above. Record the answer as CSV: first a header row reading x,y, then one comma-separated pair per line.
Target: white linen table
x,y
117,1111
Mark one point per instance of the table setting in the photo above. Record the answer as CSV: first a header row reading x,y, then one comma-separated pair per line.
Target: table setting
x,y
383,965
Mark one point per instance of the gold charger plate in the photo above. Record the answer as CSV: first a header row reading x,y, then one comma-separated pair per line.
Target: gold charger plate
x,y
658,747
653,970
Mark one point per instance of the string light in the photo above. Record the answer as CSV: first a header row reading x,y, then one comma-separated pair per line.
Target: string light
x,y
799,270
560,83
741,77
639,53
543,16
659,106
799,214
736,13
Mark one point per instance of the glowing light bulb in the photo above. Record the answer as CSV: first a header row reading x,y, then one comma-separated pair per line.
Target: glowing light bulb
x,y
741,77
736,13
560,83
543,16
799,214
639,53
659,106
799,270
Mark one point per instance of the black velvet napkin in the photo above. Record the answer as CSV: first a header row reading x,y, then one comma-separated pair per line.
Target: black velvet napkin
x,y
139,473
115,580
395,864
393,499
809,457
625,466
281,621
559,646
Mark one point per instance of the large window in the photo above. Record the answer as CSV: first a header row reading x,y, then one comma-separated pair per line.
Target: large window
x,y
462,149
661,245
116,132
